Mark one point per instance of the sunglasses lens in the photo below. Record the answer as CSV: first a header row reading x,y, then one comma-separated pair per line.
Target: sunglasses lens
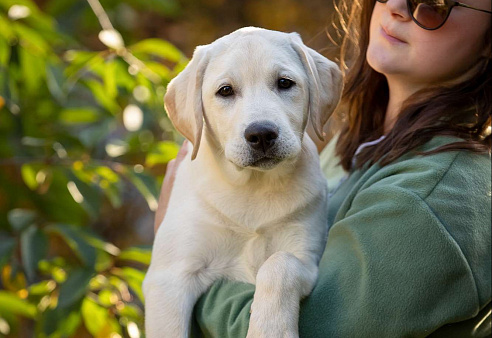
x,y
429,14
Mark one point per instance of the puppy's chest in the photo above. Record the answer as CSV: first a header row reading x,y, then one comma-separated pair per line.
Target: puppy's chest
x,y
251,211
256,247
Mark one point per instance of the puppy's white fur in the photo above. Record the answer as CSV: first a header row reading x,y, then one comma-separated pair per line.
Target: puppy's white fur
x,y
236,213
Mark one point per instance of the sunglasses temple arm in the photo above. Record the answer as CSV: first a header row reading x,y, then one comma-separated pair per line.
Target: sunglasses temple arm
x,y
468,6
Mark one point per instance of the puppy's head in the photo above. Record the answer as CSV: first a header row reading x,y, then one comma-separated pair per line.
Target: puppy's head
x,y
256,90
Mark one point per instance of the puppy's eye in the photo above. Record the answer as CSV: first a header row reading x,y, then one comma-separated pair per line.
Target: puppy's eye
x,y
225,91
284,83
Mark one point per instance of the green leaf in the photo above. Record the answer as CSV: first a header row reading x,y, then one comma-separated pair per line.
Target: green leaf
x,y
107,173
159,69
79,115
56,323
10,303
130,311
94,315
7,245
109,79
29,176
42,288
20,219
68,325
113,193
90,192
99,93
108,297
137,255
76,241
103,261
34,246
134,278
158,48
123,78
33,69
54,80
98,243
74,287
6,28
146,185
81,59
4,51
162,153
32,41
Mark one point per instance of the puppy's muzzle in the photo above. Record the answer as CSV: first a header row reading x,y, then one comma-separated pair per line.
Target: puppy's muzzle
x,y
261,135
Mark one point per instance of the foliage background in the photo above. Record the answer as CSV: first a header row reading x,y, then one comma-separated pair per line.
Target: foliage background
x,y
84,142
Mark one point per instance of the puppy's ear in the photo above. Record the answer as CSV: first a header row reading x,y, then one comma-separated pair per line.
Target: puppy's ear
x,y
325,84
183,99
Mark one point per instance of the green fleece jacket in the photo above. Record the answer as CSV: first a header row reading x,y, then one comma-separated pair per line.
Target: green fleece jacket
x,y
408,251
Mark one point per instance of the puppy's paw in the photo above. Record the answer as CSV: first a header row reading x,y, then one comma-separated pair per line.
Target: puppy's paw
x,y
265,323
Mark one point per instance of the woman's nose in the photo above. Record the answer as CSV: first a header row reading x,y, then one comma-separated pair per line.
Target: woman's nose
x,y
398,9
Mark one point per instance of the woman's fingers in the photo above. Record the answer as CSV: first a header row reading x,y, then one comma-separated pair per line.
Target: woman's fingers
x,y
167,185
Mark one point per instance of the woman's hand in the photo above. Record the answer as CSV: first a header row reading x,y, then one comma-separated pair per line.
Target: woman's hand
x,y
167,185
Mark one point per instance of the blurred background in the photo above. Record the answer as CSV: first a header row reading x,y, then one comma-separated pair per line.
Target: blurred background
x,y
84,143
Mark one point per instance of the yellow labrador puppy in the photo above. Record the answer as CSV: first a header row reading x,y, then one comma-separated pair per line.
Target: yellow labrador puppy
x,y
248,203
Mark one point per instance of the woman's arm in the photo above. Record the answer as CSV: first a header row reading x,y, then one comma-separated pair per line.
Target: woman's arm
x,y
390,269
167,185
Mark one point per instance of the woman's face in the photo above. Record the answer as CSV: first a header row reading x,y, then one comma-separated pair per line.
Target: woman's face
x,y
400,49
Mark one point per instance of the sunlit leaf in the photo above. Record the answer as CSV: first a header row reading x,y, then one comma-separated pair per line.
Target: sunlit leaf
x,y
120,285
159,48
4,51
134,278
103,261
136,254
32,40
79,115
33,69
108,297
12,278
98,243
94,315
159,69
10,303
109,79
111,328
42,288
6,28
29,176
101,97
34,246
130,311
162,153
81,60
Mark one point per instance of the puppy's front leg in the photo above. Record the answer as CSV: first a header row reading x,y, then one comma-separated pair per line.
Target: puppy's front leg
x,y
282,281
169,300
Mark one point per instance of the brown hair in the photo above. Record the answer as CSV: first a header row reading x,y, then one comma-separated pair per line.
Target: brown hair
x,y
467,105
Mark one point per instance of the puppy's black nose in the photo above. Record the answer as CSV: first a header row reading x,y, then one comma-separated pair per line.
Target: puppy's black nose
x,y
261,135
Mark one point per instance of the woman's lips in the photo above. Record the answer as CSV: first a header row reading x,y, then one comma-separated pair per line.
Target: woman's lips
x,y
389,37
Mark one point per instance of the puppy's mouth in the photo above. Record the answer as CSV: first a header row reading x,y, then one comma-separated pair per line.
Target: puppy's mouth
x,y
265,163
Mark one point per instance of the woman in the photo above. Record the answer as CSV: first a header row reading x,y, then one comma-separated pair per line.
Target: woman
x,y
409,244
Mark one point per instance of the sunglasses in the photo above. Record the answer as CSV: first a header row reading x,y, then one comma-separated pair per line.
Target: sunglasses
x,y
432,14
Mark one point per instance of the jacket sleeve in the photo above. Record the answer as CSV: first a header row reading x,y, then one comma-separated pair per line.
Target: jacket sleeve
x,y
390,269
